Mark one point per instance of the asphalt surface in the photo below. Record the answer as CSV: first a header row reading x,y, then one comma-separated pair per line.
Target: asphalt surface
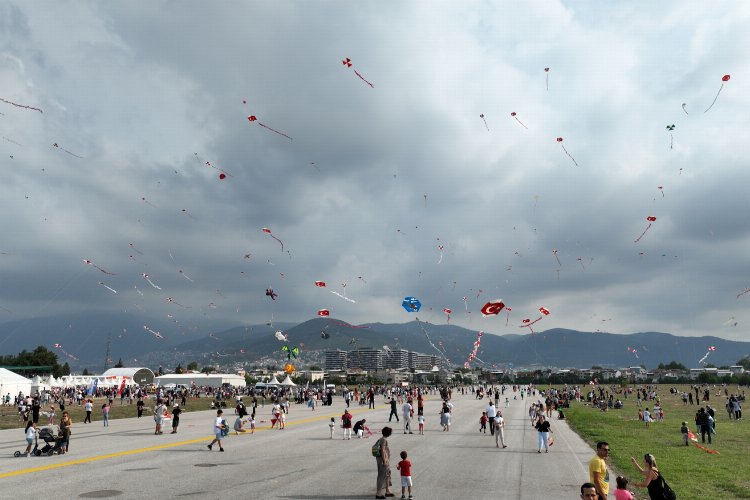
x,y
126,459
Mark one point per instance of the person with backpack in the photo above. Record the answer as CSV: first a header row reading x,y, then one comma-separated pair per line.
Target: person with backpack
x,y
653,480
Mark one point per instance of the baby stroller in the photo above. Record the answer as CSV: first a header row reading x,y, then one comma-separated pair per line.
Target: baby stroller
x,y
49,439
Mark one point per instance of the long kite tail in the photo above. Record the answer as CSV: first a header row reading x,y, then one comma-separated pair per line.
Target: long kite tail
x,y
21,105
363,79
276,131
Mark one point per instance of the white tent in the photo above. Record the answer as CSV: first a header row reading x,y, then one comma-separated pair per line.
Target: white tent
x,y
39,384
274,381
13,383
288,382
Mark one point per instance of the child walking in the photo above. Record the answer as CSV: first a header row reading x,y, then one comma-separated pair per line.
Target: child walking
x,y
405,467
420,421
252,423
331,425
219,426
483,422
684,431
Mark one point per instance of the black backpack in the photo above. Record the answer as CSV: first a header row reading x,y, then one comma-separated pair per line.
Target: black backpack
x,y
669,493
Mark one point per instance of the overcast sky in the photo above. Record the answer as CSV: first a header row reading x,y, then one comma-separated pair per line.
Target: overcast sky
x,y
138,96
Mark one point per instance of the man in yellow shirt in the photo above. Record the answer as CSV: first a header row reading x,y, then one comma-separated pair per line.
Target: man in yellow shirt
x,y
598,473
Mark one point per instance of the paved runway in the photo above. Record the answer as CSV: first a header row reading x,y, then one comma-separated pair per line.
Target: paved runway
x,y
126,460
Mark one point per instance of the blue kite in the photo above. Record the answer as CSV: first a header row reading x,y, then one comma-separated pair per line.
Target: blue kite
x,y
411,304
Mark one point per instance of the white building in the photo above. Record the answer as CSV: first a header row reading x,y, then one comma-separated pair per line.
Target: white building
x,y
201,379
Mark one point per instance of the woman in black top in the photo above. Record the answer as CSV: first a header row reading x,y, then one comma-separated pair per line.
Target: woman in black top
x,y
542,426
653,480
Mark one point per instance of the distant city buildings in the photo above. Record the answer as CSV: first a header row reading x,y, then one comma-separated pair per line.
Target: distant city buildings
x,y
371,359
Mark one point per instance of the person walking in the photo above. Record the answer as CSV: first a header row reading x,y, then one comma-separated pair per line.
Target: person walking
x,y
404,466
219,428
407,412
491,414
176,418
159,416
598,473
89,407
499,425
139,407
105,414
30,435
704,424
382,458
393,413
542,427
346,424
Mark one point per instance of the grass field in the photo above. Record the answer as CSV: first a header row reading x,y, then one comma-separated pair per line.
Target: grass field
x,y
9,416
690,471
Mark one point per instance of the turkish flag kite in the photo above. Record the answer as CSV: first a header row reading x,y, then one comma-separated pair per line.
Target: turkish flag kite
x,y
492,308
324,312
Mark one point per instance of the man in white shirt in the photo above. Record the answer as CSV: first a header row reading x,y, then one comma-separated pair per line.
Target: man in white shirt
x,y
491,414
407,412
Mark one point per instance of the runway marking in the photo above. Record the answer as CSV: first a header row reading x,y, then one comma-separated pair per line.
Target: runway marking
x,y
86,460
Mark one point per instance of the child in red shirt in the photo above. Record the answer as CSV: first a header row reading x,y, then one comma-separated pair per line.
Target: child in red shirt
x,y
405,467
483,422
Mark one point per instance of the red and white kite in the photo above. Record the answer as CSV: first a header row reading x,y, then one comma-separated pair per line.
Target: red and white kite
x,y
324,312
268,232
493,308
320,284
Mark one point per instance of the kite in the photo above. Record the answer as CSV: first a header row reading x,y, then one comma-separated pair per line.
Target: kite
x,y
324,312
107,287
651,219
148,278
485,124
473,354
172,301
440,249
188,277
707,450
683,108
271,293
223,173
156,334
87,261
21,105
325,335
661,188
709,351
513,114
743,292
724,78
634,351
134,248
280,336
320,284
348,63
427,336
184,211
268,231
560,140
493,308
290,351
670,128
411,304
253,118
448,312
580,261
546,71
59,346
554,252
55,145
731,322
343,297
143,198
289,368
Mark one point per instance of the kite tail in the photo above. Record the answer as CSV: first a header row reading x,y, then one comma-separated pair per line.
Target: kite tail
x,y
274,130
641,236
363,79
712,104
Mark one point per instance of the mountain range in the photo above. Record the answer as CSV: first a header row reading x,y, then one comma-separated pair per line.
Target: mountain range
x,y
85,338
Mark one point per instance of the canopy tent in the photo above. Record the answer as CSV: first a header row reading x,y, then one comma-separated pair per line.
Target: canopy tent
x,y
13,383
288,382
273,381
39,384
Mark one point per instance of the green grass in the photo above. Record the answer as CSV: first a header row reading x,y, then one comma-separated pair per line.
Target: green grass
x,y
690,471
9,416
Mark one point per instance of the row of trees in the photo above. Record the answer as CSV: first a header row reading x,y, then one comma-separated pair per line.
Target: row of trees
x,y
40,361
